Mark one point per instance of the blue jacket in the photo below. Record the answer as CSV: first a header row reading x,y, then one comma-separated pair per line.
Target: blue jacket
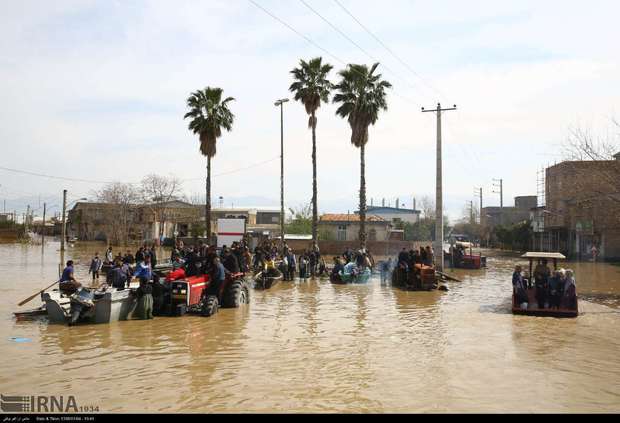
x,y
142,270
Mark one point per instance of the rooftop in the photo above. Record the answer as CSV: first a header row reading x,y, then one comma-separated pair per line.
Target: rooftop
x,y
386,209
350,218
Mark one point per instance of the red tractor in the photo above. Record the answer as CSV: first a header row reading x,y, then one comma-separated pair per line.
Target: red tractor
x,y
191,293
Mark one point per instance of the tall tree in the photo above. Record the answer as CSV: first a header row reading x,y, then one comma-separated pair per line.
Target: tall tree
x,y
311,86
157,192
362,95
118,203
209,115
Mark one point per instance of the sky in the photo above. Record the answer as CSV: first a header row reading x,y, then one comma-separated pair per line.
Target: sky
x,y
96,91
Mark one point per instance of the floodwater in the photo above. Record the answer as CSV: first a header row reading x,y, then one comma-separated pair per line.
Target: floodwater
x,y
316,347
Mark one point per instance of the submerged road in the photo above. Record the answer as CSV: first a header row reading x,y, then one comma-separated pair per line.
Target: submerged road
x,y
317,347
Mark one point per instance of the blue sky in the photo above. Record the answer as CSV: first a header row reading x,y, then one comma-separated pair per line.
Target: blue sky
x,y
97,89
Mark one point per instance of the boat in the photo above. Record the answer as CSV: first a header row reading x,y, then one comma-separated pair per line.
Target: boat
x,y
350,274
531,307
422,278
264,281
89,305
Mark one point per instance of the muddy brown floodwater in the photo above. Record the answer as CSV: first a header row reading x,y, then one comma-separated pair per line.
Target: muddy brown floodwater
x,y
317,347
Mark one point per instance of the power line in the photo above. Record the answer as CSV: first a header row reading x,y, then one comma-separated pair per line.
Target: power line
x,y
309,40
370,56
25,172
237,170
389,49
41,175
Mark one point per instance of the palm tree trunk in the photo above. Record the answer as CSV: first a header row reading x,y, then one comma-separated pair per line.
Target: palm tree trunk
x,y
208,201
362,235
314,188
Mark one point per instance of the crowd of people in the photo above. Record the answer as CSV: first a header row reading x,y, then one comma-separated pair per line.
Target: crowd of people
x,y
408,259
270,259
352,262
553,290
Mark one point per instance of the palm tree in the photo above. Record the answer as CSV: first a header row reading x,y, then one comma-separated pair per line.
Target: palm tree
x,y
209,115
362,95
311,86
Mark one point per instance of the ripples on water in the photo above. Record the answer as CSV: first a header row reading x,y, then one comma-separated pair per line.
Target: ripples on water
x,y
314,346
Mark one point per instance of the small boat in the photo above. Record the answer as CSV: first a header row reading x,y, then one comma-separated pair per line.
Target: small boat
x,y
531,306
264,281
89,305
350,274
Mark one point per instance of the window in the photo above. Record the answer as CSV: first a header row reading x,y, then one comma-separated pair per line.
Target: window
x,y
372,235
342,233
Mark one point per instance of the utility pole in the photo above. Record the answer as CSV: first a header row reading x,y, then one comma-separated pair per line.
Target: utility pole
x,y
471,212
478,193
501,197
63,235
281,104
43,233
26,219
438,246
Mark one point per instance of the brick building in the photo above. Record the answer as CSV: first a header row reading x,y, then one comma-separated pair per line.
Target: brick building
x,y
508,216
582,209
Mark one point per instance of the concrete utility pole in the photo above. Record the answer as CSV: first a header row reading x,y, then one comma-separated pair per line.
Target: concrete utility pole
x,y
478,193
501,197
63,235
438,245
281,104
26,219
43,232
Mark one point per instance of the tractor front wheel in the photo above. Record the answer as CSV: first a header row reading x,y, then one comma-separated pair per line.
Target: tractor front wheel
x,y
210,306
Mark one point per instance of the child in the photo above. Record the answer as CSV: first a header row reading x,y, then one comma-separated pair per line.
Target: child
x,y
303,267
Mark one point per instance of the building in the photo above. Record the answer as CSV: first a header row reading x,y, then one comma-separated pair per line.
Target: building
x,y
263,221
91,221
396,216
346,227
7,218
508,216
582,209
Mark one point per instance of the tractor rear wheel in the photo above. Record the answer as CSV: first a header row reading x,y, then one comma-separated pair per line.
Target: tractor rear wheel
x,y
210,306
236,294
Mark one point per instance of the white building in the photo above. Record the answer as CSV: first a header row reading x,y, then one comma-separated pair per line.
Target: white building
x,y
394,215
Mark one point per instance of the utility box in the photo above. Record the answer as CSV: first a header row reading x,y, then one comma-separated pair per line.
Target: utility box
x,y
229,231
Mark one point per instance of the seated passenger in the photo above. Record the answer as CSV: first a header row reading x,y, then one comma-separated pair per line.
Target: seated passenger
x,y
67,282
338,266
